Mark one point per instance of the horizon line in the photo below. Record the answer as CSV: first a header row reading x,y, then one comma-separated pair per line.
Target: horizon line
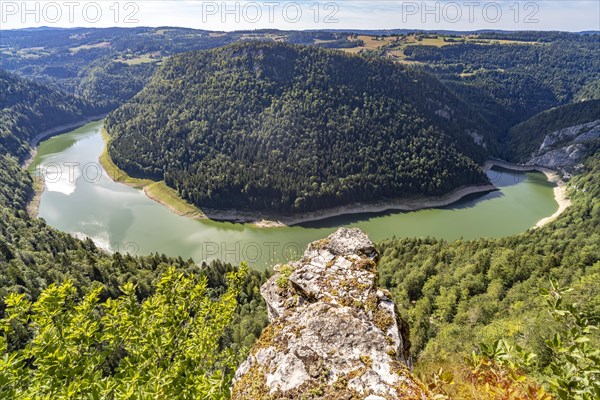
x,y
349,30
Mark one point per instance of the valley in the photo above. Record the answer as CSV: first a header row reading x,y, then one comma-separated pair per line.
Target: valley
x,y
120,218
181,208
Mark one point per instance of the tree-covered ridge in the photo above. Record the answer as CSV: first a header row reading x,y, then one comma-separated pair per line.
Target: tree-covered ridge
x,y
589,91
34,256
520,80
28,108
455,295
109,65
286,128
103,65
527,136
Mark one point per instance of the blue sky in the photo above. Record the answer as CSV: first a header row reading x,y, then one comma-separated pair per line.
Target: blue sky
x,y
300,14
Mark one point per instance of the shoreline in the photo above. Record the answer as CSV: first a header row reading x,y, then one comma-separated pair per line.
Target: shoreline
x,y
177,204
265,220
404,204
159,192
560,190
57,130
154,190
33,205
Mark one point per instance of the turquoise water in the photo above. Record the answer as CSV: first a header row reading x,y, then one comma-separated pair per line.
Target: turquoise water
x,y
81,199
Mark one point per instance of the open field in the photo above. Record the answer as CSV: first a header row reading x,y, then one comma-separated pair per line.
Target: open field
x,y
141,59
100,45
396,44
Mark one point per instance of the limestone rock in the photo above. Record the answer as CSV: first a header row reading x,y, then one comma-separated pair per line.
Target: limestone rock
x,y
333,333
566,149
577,134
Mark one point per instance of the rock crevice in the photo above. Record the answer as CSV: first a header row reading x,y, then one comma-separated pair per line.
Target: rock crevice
x,y
333,333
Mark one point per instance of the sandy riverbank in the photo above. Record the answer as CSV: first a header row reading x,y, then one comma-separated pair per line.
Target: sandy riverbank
x,y
414,204
33,206
560,190
166,196
157,191
162,194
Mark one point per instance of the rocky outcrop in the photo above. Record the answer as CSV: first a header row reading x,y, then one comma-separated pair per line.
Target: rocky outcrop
x,y
565,149
333,333
477,138
574,134
561,158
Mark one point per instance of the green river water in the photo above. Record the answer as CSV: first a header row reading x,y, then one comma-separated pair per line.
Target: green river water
x,y
81,199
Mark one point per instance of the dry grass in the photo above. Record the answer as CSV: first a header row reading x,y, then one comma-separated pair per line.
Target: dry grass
x,y
168,197
157,191
114,172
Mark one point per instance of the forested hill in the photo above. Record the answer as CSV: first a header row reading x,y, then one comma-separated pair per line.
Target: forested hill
x,y
456,295
288,128
526,137
28,108
44,270
520,77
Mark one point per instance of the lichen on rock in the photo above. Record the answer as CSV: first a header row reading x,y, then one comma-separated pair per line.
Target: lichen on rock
x,y
333,333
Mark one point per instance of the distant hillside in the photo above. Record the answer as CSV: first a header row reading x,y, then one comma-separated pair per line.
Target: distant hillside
x,y
527,137
287,128
591,91
109,65
28,108
514,77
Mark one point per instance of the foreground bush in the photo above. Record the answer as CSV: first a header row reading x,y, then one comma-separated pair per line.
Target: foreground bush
x,y
168,346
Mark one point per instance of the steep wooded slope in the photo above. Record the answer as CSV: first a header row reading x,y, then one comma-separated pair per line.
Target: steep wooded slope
x,y
527,137
28,108
288,128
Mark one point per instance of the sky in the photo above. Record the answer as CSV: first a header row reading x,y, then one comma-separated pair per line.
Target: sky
x,y
462,15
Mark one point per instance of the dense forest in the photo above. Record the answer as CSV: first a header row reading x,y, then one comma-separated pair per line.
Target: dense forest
x,y
34,256
46,271
527,136
456,295
518,79
509,81
108,66
295,129
28,108
285,128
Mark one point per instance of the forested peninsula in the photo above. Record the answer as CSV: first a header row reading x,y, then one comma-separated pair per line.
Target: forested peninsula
x,y
267,126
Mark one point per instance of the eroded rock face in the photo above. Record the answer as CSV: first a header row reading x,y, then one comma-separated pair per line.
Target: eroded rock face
x,y
566,149
333,334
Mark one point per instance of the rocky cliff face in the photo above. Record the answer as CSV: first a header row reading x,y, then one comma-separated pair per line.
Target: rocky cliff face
x,y
333,333
565,149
